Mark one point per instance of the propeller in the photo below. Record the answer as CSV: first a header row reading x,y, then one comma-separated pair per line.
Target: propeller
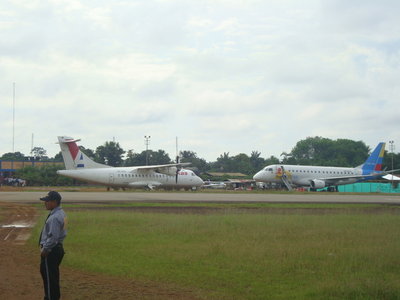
x,y
177,169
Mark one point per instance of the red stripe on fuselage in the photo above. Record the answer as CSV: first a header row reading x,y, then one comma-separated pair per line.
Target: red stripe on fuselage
x,y
73,149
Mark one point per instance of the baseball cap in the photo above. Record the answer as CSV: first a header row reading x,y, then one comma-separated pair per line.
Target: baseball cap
x,y
52,195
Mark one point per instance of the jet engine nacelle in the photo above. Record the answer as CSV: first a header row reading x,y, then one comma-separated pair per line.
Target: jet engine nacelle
x,y
170,171
317,184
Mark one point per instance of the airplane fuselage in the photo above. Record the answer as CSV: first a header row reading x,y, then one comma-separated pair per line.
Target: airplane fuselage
x,y
131,177
300,175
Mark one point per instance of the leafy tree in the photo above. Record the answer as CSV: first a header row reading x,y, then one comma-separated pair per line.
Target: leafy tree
x,y
135,159
224,163
387,162
43,176
288,159
159,157
312,150
187,155
196,163
241,163
139,159
58,157
256,161
39,153
349,153
16,156
272,160
110,153
327,152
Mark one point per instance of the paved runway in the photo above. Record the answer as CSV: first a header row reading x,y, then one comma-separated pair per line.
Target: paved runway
x,y
74,197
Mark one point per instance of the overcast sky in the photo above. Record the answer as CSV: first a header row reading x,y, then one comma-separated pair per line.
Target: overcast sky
x,y
223,76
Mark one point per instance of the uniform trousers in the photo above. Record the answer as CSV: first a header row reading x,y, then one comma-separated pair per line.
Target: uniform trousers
x,y
49,268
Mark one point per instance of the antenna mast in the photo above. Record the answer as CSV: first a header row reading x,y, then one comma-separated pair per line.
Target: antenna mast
x,y
13,131
177,154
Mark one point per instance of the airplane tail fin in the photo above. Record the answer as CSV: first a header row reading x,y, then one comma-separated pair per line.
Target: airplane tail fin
x,y
73,157
375,160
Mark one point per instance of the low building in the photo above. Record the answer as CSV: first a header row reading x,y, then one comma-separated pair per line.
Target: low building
x,y
9,167
241,184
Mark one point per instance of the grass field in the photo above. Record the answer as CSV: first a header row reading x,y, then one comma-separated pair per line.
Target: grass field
x,y
244,255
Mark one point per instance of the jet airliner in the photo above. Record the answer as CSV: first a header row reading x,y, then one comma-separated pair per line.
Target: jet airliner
x,y
79,166
317,177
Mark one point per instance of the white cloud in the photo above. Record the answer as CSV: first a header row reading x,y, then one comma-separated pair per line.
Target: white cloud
x,y
224,76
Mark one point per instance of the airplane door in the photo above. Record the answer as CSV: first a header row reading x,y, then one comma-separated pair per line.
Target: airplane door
x,y
111,178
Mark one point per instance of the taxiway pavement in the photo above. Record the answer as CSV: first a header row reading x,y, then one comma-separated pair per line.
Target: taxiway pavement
x,y
98,197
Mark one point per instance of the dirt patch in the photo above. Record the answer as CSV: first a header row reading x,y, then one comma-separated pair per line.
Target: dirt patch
x,y
20,277
16,222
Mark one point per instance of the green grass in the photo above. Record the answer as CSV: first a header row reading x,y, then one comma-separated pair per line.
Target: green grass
x,y
244,256
232,206
227,205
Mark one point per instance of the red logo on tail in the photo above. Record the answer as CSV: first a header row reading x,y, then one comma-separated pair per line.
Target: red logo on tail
x,y
73,149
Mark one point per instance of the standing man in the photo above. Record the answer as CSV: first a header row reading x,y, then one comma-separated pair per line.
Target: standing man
x,y
51,245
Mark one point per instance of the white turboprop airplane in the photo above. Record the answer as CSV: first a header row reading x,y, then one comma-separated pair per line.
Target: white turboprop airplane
x,y
317,177
79,166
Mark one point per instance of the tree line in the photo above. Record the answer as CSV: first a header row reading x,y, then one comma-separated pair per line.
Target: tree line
x,y
310,151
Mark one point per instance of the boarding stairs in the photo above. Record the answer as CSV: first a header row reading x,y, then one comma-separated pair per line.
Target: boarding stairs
x,y
285,180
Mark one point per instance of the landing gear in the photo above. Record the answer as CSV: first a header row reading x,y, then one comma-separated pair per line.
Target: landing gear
x,y
333,188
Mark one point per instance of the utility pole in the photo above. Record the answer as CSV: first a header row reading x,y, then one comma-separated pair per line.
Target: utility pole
x,y
147,142
177,153
13,131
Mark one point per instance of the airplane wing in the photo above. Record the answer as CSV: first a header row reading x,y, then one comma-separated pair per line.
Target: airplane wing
x,y
160,167
168,169
391,177
334,180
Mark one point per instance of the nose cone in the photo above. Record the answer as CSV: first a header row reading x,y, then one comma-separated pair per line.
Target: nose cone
x,y
258,176
199,181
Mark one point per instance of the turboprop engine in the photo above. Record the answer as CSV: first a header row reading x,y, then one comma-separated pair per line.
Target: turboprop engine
x,y
317,184
171,171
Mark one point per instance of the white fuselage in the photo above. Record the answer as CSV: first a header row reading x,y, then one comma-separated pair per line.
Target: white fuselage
x,y
131,177
303,175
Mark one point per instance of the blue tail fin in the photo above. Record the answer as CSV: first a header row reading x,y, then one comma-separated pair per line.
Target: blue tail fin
x,y
375,160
